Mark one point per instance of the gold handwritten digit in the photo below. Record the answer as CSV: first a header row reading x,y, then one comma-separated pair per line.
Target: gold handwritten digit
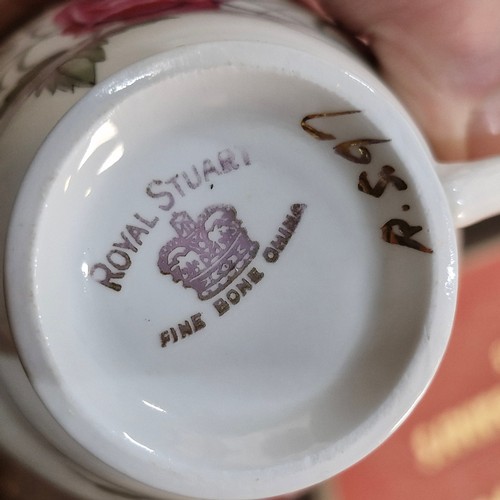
x,y
385,177
356,150
318,134
403,235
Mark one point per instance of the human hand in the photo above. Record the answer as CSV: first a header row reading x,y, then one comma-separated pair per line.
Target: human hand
x,y
14,13
442,58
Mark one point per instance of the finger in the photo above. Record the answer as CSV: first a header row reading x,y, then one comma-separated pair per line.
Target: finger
x,y
15,13
437,55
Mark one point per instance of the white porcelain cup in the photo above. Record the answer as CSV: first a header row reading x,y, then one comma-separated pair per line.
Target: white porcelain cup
x,y
231,268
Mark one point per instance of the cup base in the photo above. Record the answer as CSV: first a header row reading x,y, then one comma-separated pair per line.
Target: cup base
x,y
208,278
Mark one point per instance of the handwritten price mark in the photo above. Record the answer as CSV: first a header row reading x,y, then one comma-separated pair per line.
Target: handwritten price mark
x,y
386,177
318,134
356,150
395,231
399,232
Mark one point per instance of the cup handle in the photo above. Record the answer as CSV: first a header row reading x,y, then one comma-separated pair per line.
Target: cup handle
x,y
472,189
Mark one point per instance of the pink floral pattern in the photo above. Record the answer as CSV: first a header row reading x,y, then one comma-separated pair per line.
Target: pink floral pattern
x,y
88,26
81,16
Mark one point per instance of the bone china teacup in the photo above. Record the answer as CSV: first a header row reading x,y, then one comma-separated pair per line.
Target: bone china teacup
x,y
231,267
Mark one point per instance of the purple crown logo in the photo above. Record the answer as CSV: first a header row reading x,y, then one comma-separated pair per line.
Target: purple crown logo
x,y
207,255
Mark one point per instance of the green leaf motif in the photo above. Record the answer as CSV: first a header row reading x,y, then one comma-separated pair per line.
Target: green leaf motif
x,y
62,71
79,71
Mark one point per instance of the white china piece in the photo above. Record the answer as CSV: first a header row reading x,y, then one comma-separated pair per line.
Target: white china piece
x,y
231,265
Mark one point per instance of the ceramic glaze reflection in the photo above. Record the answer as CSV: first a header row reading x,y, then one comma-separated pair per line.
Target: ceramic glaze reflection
x,y
236,375
228,286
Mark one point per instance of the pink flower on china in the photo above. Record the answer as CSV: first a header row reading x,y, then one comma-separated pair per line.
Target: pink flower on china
x,y
81,16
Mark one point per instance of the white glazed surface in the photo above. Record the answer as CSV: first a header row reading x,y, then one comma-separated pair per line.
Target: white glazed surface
x,y
277,401
25,125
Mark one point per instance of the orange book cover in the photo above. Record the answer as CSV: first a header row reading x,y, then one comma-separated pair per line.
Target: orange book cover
x,y
449,448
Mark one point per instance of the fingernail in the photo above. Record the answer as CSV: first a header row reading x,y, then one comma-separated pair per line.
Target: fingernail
x,y
483,138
